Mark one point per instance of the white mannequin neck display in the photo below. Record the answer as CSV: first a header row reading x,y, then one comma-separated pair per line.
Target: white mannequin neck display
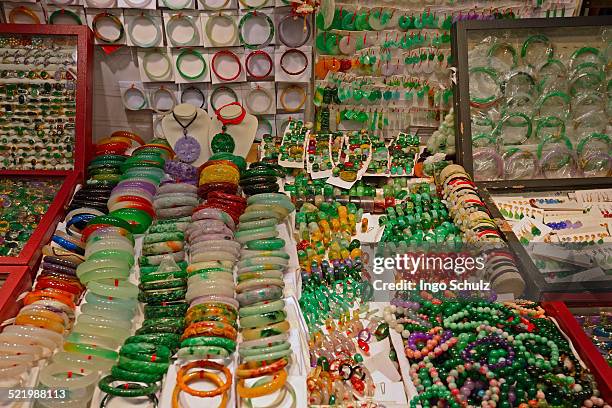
x,y
243,133
198,129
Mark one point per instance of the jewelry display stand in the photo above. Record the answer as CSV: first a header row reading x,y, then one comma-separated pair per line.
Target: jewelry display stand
x,y
199,129
242,133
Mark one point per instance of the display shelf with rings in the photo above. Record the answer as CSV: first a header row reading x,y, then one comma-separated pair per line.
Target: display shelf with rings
x,y
46,87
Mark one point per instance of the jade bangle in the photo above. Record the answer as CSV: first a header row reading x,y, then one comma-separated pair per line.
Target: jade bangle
x,y
212,278
541,38
109,310
146,352
272,348
273,356
227,344
115,289
582,51
259,295
104,273
92,265
593,136
173,23
267,331
258,283
247,17
551,138
503,46
266,244
123,391
102,300
100,329
139,366
213,255
549,122
248,253
162,295
258,215
56,375
278,209
492,74
262,307
122,374
157,259
271,274
106,321
177,309
263,319
90,350
250,225
202,352
184,53
195,292
171,283
93,339
265,342
90,362
170,340
263,260
505,119
139,220
260,268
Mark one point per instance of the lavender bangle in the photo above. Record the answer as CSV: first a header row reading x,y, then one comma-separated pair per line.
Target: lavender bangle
x,y
489,153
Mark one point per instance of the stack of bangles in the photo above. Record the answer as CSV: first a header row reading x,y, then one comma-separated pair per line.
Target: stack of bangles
x,y
265,350
466,207
220,175
144,358
211,319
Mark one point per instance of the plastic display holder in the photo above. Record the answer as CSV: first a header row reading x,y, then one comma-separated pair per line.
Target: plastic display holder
x,y
81,38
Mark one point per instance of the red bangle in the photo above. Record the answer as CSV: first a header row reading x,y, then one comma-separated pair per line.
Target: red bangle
x,y
148,208
253,55
128,135
67,287
64,297
228,197
294,51
208,188
112,147
234,57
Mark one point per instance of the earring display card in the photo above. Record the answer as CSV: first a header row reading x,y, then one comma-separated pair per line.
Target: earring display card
x,y
536,100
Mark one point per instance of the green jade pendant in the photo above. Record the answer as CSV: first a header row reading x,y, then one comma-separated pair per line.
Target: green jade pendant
x,y
222,142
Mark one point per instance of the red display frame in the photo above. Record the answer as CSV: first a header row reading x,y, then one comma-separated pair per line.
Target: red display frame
x,y
18,281
584,346
83,149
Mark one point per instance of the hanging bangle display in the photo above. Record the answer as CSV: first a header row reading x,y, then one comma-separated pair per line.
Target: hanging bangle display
x,y
146,60
291,42
509,120
150,21
286,91
134,89
481,155
566,159
197,91
538,38
249,59
218,90
250,96
594,136
64,12
550,122
176,4
552,73
220,7
251,15
155,97
515,160
298,52
209,29
173,23
24,11
576,55
249,4
184,53
234,57
115,20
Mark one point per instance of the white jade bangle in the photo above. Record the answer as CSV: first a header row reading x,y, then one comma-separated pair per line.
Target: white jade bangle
x,y
100,3
124,98
209,26
35,333
207,7
19,349
80,378
47,345
154,101
249,100
204,256
138,4
176,4
265,340
171,26
9,360
218,277
81,360
138,42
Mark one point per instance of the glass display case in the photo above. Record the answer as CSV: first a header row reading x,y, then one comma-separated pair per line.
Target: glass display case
x,y
532,100
45,131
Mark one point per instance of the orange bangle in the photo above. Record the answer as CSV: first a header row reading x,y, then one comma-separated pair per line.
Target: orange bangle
x,y
181,375
278,381
23,10
39,320
247,370
210,329
49,294
198,375
128,135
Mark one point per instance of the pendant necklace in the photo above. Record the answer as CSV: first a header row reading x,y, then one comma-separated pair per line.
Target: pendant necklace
x,y
187,148
223,141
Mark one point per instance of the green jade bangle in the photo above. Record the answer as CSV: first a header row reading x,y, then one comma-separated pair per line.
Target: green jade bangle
x,y
259,236
555,94
266,244
90,350
146,352
259,215
576,55
93,339
112,254
90,362
257,283
262,307
177,309
65,12
116,322
121,244
250,225
507,120
263,260
264,319
202,352
503,46
100,329
104,273
260,268
551,138
125,375
170,340
112,220
591,137
139,220
259,295
537,38
107,310
268,357
127,392
157,276
95,264
493,76
550,122
273,274
183,54
253,351
247,17
247,253
163,284
227,344
162,295
105,301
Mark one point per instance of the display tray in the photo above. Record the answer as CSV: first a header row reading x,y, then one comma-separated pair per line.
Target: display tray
x,y
532,101
14,280
31,207
584,346
46,88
